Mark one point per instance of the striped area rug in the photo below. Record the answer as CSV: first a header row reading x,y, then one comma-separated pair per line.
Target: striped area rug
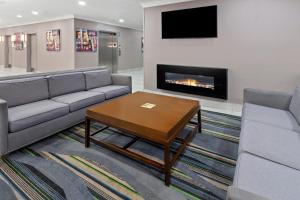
x,y
204,171
29,183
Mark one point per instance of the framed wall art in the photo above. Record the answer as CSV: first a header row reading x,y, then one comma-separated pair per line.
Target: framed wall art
x,y
86,40
18,41
53,40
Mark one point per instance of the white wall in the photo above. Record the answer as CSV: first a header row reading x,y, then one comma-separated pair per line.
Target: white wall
x,y
130,41
1,53
67,58
259,41
19,58
46,60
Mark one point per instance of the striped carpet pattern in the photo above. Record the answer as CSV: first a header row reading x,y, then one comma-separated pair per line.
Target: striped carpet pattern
x,y
29,183
204,171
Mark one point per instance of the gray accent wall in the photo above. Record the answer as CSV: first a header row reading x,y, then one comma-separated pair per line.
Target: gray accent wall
x,y
129,39
259,41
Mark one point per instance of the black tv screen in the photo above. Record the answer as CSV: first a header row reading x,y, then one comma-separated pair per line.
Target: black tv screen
x,y
190,23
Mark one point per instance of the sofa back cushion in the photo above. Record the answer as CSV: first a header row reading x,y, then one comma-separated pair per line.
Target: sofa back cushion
x,y
66,83
96,79
23,91
295,104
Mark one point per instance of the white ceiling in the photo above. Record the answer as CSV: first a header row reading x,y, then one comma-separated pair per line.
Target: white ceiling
x,y
109,11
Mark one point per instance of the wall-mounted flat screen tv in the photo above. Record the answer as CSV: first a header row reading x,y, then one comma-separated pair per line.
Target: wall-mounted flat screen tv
x,y
190,23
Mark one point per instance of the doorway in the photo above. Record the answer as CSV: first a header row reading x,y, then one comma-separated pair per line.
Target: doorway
x,y
31,52
7,52
108,50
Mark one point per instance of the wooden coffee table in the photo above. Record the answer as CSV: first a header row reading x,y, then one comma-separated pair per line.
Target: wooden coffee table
x,y
148,117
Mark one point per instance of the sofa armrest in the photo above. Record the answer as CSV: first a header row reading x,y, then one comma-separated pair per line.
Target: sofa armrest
x,y
118,79
279,100
234,193
3,127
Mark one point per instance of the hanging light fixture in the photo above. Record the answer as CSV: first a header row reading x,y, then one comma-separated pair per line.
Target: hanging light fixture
x,y
24,39
13,38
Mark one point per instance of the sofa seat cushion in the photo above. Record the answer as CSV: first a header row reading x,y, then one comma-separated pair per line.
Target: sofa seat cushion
x,y
112,91
270,142
28,115
266,178
275,117
79,100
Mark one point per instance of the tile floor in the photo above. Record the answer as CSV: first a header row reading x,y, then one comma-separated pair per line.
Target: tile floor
x,y
14,71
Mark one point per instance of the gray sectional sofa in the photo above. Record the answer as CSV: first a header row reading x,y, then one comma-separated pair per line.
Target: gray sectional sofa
x,y
37,106
268,165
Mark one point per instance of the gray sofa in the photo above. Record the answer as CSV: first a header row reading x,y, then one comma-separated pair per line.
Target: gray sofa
x,y
268,165
33,107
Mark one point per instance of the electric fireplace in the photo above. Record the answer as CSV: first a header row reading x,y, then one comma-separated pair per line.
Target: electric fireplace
x,y
210,82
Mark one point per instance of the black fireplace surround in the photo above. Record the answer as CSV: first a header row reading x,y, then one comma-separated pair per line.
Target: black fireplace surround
x,y
210,82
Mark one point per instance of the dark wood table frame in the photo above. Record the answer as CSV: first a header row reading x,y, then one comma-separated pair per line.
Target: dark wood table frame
x,y
168,160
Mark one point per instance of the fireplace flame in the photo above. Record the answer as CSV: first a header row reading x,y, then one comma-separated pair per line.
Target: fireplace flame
x,y
191,82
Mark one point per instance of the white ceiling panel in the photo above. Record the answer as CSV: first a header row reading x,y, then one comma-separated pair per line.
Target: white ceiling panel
x,y
109,11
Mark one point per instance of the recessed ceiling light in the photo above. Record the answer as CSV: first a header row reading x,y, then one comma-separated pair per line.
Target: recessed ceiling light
x,y
19,16
82,3
121,20
34,12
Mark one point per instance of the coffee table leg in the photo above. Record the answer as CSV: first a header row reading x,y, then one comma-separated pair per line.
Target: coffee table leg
x,y
87,133
199,121
167,165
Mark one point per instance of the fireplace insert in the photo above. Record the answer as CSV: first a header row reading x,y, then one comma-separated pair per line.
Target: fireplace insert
x,y
210,82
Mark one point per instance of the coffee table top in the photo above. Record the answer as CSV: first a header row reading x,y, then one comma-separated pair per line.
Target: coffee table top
x,y
146,115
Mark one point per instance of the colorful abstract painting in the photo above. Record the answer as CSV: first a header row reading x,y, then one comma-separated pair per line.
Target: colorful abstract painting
x,y
53,40
86,40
